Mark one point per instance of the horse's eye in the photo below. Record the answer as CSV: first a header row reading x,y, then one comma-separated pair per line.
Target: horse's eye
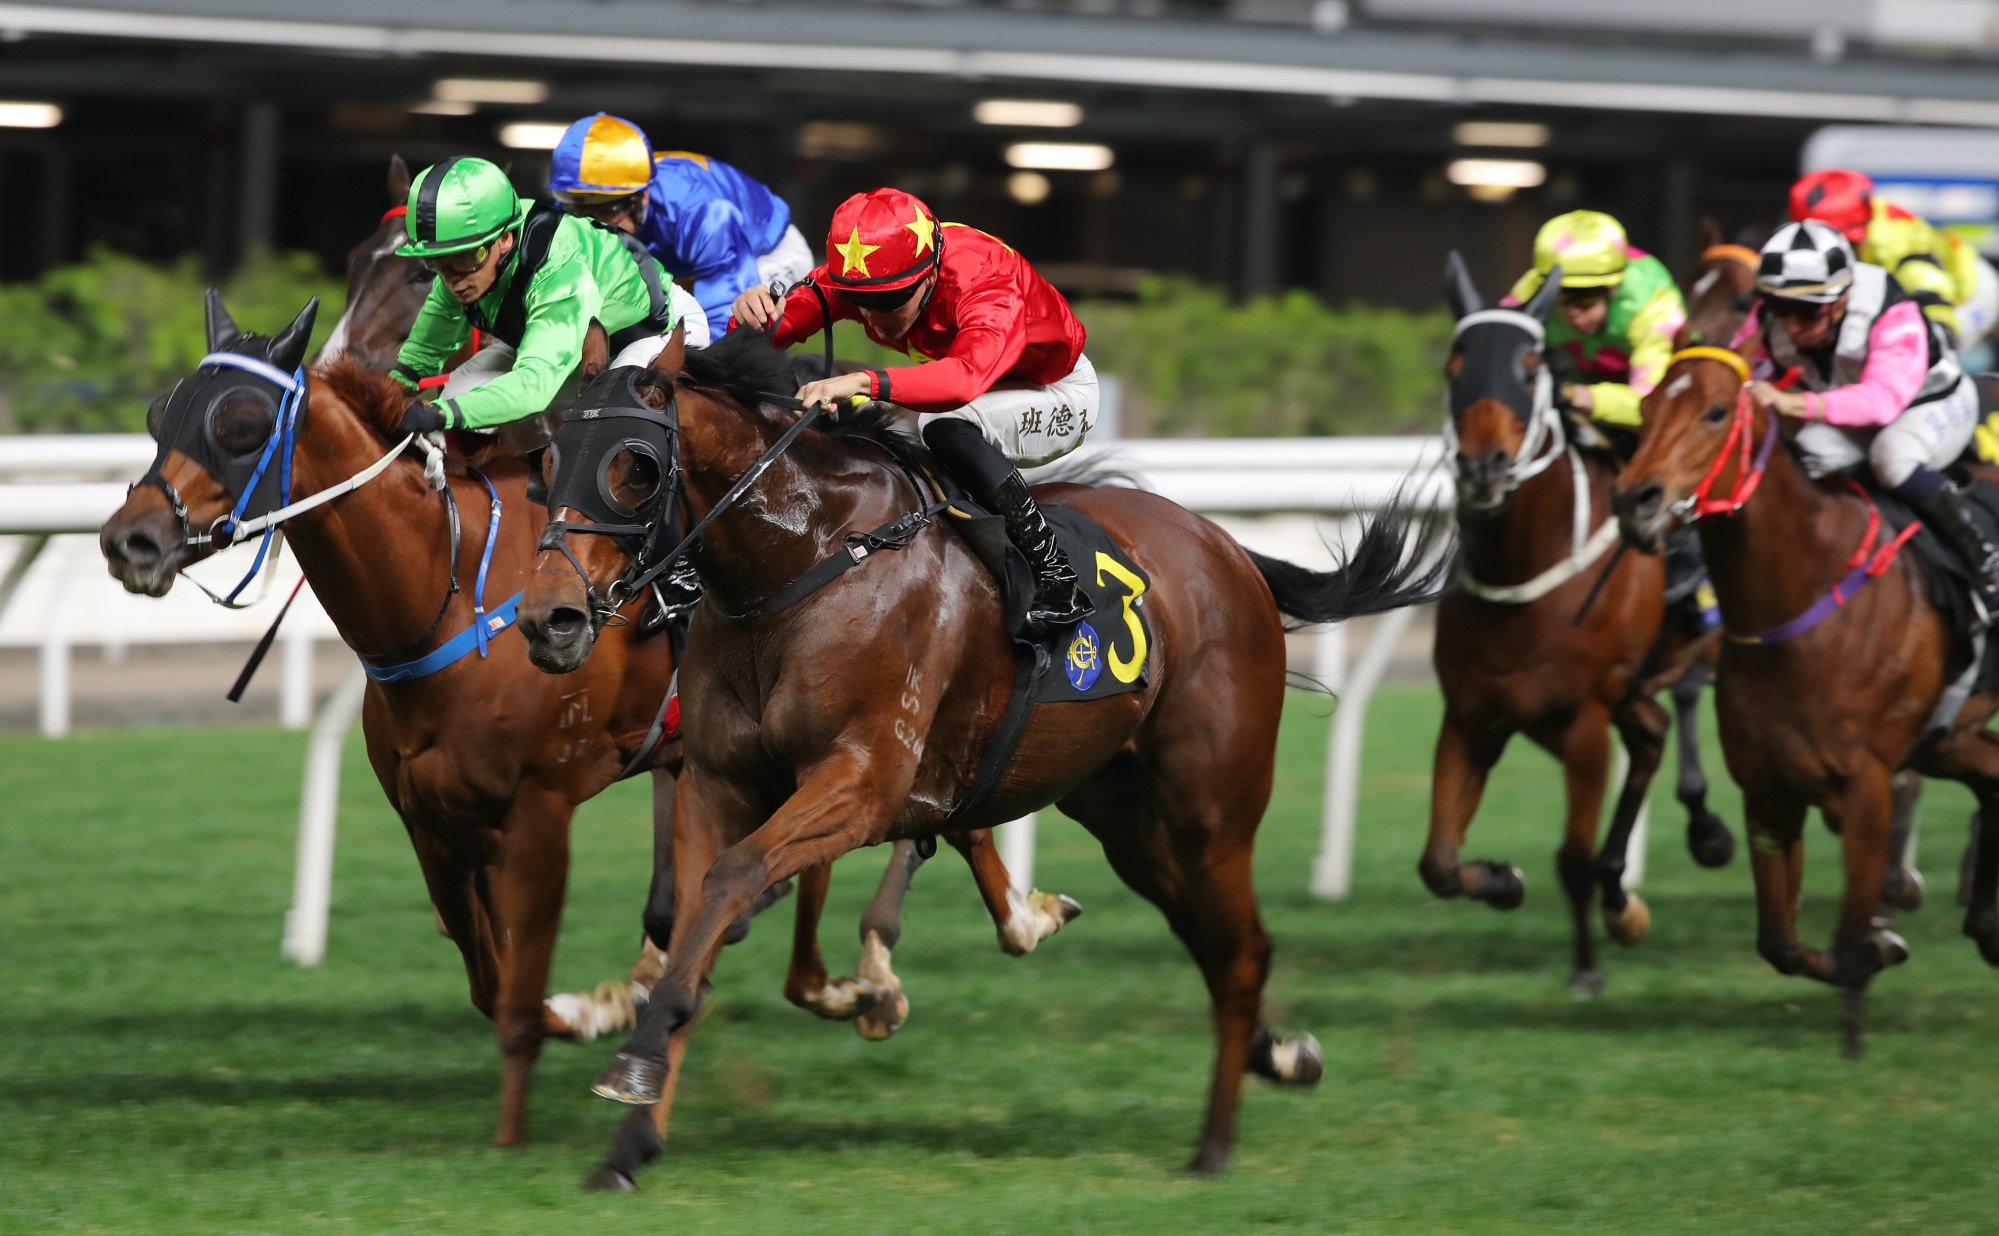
x,y
1716,415
241,422
641,478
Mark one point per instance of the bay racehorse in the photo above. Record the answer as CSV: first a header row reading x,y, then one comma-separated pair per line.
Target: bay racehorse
x,y
1835,664
384,292
859,714
485,759
1549,633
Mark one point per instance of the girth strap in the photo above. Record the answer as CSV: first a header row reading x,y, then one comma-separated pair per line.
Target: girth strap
x,y
1034,662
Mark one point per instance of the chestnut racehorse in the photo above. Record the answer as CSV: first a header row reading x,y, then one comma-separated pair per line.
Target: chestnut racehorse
x,y
859,714
1813,713
384,292
484,760
1538,639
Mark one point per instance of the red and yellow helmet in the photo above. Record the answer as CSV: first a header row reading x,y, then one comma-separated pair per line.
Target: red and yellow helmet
x,y
1838,197
881,241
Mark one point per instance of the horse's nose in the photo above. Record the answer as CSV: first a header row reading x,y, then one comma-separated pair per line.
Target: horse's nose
x,y
558,636
1640,511
135,547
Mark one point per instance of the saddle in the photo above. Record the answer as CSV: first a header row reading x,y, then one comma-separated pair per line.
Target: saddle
x,y
1943,571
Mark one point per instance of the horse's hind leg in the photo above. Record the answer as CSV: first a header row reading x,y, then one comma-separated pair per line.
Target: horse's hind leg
x,y
1642,723
1975,756
1859,810
1465,756
1023,920
805,982
1901,883
1708,838
1584,750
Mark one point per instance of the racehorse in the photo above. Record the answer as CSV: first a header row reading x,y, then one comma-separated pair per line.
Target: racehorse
x,y
1544,635
484,760
1833,670
384,292
859,714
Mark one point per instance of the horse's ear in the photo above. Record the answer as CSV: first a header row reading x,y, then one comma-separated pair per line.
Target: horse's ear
x,y
222,329
288,349
1464,298
1708,232
596,350
399,180
673,357
1543,300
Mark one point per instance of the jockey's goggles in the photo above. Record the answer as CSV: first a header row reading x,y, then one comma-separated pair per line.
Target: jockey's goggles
x,y
459,263
881,302
602,209
1583,296
1798,310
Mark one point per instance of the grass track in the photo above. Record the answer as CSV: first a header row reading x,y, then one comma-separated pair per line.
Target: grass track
x,y
165,1072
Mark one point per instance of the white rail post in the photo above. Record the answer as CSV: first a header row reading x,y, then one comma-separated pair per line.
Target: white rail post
x,y
55,663
1016,847
295,694
1332,872
312,878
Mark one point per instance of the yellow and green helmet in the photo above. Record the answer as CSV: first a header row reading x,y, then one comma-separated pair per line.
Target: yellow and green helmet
x,y
459,204
1588,245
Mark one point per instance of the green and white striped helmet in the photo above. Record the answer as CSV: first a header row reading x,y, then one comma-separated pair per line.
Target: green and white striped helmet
x,y
459,204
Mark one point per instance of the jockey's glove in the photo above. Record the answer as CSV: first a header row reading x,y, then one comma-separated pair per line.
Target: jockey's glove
x,y
420,417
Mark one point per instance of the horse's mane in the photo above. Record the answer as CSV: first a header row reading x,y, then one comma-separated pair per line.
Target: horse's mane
x,y
376,398
744,365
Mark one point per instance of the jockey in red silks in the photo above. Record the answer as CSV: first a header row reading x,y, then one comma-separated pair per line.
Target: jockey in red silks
x,y
1878,381
1006,382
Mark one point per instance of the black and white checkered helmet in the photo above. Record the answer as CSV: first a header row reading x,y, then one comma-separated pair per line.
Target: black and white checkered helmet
x,y
1806,261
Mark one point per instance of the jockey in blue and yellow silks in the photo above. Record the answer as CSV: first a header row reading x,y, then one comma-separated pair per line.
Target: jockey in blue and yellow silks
x,y
702,218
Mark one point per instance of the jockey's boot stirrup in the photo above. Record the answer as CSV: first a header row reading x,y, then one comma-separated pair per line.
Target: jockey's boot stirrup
x,y
1058,601
1950,515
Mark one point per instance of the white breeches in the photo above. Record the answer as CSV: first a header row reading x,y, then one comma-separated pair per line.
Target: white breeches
x,y
1933,433
789,262
1033,425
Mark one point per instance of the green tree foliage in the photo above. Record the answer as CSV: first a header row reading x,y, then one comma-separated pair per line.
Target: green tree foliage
x,y
86,347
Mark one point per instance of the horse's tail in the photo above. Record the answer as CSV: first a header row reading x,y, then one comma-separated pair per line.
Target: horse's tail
x,y
1403,558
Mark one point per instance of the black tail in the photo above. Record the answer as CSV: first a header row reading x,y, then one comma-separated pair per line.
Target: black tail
x,y
1402,559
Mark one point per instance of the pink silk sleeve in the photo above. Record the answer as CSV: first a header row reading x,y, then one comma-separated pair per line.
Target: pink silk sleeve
x,y
1898,356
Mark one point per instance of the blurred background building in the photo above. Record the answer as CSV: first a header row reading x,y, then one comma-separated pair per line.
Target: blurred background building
x,y
1334,145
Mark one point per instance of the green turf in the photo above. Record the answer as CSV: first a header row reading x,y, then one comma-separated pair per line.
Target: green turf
x,y
165,1071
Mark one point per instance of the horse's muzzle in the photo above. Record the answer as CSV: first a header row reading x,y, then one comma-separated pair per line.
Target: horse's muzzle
x,y
1642,515
1483,481
559,635
142,551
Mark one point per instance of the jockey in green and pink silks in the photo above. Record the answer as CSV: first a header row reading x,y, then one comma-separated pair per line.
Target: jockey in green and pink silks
x,y
1612,331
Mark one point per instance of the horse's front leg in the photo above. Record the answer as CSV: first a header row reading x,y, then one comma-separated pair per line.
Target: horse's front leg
x,y
1023,919
839,804
1708,838
1777,861
805,982
1861,811
1465,756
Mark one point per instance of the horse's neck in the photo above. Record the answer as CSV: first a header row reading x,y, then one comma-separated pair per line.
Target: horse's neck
x,y
795,514
1773,559
1534,531
377,556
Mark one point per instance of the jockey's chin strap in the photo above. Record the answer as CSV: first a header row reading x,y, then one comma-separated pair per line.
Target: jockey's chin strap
x,y
1546,438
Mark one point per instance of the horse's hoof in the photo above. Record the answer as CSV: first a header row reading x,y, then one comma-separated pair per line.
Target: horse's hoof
x,y
1295,1060
1710,842
884,1016
1629,925
1983,928
1207,1165
1034,916
1894,949
1586,984
631,1079
1505,886
609,1180
1902,889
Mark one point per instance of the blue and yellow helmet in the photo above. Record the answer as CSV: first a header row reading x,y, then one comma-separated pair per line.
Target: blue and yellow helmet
x,y
600,157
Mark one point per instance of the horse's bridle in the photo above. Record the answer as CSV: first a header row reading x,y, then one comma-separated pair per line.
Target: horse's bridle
x,y
1546,438
1748,476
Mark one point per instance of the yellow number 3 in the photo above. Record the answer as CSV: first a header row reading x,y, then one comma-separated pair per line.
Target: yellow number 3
x,y
1125,669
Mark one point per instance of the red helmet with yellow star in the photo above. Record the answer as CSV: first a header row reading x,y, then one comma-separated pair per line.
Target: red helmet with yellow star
x,y
880,242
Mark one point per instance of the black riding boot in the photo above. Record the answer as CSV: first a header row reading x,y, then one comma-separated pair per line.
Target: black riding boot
x,y
999,486
1950,516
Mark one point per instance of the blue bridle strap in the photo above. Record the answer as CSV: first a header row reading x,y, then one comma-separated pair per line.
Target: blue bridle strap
x,y
484,625
284,436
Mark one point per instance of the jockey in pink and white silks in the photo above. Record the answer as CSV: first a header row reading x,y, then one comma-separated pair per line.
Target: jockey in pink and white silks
x,y
1877,381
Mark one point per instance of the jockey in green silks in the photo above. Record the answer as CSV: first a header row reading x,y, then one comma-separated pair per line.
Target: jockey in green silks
x,y
1612,330
532,279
